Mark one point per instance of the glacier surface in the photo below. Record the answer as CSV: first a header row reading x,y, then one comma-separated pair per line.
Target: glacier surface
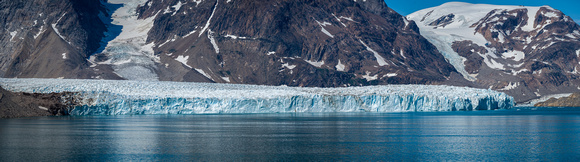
x,y
128,53
107,97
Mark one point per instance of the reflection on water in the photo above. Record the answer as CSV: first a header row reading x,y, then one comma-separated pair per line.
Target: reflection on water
x,y
489,135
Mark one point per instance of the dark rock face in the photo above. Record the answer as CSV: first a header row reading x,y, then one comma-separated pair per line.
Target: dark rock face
x,y
49,39
443,21
14,105
297,43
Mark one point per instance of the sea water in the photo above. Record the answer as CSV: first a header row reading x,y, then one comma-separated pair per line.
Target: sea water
x,y
549,134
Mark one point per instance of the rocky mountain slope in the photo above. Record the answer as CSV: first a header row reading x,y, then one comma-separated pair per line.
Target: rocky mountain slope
x,y
50,39
326,43
526,52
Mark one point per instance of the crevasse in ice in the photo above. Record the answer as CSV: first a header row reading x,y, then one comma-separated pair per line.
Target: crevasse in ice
x,y
106,97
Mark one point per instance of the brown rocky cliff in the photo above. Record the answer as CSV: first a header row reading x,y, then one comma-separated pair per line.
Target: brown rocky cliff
x,y
17,104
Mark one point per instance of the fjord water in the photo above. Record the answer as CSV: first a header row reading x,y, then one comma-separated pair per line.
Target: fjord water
x,y
551,134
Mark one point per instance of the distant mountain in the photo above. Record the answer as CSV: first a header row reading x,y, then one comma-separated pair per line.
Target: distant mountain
x,y
524,51
569,101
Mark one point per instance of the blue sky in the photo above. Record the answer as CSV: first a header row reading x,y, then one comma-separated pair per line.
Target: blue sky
x,y
569,7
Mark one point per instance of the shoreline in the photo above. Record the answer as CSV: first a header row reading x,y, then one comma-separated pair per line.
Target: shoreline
x,y
21,104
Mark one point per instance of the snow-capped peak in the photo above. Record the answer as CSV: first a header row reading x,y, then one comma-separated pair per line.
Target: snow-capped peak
x,y
485,25
467,14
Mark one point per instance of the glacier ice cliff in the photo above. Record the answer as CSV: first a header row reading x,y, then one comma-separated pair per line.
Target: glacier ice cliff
x,y
107,97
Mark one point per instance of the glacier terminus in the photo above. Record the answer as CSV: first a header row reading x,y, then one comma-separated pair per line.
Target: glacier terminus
x,y
110,97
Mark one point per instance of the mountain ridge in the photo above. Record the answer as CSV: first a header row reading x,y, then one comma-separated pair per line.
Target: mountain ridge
x,y
524,51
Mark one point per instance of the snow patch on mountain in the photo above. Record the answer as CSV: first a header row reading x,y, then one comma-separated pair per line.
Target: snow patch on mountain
x,y
315,63
550,14
339,66
380,60
370,77
177,6
402,53
56,30
322,25
40,31
288,66
203,73
530,26
183,60
227,79
209,19
510,86
190,33
347,18
197,2
211,37
514,55
338,19
391,74
13,34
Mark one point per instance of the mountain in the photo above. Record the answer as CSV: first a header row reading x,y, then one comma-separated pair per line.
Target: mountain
x,y
526,52
326,43
50,39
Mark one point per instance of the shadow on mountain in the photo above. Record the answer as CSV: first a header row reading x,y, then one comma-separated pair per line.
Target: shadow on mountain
x,y
112,30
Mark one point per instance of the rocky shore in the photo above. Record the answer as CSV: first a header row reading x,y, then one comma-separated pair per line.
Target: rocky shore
x,y
18,104
570,101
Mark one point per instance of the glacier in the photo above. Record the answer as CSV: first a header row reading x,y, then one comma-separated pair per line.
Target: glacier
x,y
114,97
128,52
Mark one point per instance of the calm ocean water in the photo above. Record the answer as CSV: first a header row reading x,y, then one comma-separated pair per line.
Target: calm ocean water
x,y
525,135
